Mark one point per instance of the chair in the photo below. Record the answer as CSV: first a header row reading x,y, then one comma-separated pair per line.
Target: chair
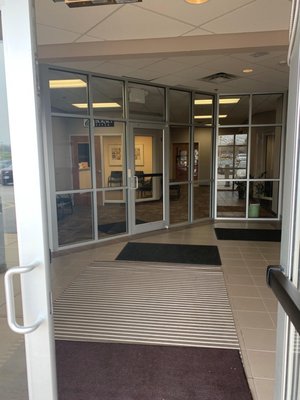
x,y
115,178
64,202
145,184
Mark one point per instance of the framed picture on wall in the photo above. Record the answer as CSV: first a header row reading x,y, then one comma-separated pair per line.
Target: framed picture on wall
x,y
139,154
115,154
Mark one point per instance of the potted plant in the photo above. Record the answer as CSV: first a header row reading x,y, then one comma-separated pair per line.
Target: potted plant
x,y
241,187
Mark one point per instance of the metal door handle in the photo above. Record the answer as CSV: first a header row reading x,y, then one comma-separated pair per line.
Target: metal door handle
x,y
136,182
286,293
10,300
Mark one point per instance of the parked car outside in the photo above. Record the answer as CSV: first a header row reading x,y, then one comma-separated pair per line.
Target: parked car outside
x,y
6,176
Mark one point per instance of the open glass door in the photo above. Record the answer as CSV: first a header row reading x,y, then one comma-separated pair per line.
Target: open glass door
x,y
147,178
27,288
285,280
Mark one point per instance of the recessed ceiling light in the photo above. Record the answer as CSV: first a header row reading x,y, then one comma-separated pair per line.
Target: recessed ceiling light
x,y
97,105
196,1
247,70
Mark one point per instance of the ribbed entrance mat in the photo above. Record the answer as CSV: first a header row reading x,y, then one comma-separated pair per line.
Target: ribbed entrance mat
x,y
111,371
170,253
266,235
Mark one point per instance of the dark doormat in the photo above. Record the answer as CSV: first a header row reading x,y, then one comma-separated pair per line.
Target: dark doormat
x,y
170,253
116,227
267,235
112,371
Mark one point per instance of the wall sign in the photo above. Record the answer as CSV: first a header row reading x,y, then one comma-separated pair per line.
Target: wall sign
x,y
99,123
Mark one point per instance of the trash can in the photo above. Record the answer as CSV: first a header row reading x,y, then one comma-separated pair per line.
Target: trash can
x,y
2,244
253,211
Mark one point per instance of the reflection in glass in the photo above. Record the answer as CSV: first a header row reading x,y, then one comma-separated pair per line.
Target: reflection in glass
x,y
179,106
72,156
107,98
111,208
179,154
267,108
146,102
201,192
234,110
68,92
263,199
179,198
265,152
203,110
74,218
229,202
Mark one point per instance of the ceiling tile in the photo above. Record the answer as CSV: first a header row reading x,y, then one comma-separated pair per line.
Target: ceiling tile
x,y
132,22
59,15
49,35
192,14
257,16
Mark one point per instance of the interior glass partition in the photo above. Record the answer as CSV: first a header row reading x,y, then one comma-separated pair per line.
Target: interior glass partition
x,y
179,173
248,164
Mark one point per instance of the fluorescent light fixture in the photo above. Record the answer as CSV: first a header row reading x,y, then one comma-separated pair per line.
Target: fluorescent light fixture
x,y
97,105
209,116
66,83
87,3
228,100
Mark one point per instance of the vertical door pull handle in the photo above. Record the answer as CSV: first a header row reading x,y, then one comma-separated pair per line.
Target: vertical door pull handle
x,y
10,300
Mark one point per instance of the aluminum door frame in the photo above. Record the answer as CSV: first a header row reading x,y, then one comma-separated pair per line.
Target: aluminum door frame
x,y
151,226
18,26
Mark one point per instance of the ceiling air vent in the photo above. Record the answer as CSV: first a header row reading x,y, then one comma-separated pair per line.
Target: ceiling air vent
x,y
87,3
220,77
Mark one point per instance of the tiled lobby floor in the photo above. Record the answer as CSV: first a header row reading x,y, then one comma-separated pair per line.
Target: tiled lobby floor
x,y
243,263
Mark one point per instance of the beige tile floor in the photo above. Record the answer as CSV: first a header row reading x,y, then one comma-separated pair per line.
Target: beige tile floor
x,y
244,264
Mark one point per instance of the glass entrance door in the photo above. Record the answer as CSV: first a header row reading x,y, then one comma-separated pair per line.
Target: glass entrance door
x,y
27,361
288,342
147,178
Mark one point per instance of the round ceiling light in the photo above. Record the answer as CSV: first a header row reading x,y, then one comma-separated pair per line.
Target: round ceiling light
x,y
196,1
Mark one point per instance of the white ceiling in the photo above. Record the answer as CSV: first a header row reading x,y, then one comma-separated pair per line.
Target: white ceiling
x,y
74,32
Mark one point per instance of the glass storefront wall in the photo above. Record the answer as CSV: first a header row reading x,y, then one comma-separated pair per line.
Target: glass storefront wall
x,y
90,120
248,161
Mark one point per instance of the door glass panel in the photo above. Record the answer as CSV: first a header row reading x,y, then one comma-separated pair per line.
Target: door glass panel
x,y
111,210
107,99
74,218
109,143
68,92
265,152
203,110
179,203
13,376
179,154
234,110
72,154
148,166
230,202
267,108
179,106
263,199
202,172
201,193
146,103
